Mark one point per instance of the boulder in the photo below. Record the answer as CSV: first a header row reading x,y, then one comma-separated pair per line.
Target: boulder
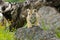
x,y
49,17
34,33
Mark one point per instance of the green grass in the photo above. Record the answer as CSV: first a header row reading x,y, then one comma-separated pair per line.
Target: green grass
x,y
5,34
57,31
15,0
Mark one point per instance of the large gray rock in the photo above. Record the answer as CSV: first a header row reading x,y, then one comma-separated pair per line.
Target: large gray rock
x,y
34,33
49,17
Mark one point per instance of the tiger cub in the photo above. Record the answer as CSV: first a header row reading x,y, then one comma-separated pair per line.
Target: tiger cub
x,y
32,18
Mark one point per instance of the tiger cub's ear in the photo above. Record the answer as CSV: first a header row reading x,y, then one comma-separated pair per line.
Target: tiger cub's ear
x,y
28,10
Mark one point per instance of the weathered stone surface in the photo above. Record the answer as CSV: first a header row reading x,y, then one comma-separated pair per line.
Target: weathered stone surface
x,y
34,33
49,16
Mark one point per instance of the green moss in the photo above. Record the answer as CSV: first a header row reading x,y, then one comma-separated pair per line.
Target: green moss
x,y
44,27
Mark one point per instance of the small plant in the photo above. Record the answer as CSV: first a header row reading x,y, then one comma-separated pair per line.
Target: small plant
x,y
5,34
57,32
